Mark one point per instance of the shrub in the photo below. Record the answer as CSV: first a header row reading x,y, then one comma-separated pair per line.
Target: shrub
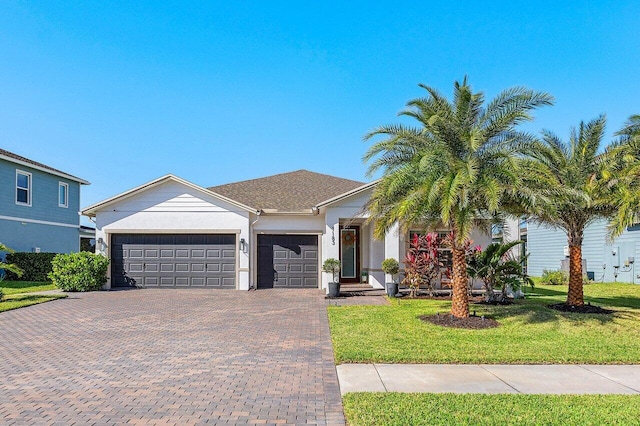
x,y
35,266
1,294
79,271
554,277
390,266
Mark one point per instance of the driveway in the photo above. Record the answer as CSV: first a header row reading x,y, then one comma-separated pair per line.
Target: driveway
x,y
170,357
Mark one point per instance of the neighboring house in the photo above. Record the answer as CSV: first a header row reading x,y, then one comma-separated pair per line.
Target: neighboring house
x,y
261,233
39,206
605,261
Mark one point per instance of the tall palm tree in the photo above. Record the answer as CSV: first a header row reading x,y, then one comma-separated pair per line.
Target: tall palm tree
x,y
569,174
455,168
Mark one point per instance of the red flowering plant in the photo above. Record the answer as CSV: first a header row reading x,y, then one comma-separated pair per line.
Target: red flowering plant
x,y
423,264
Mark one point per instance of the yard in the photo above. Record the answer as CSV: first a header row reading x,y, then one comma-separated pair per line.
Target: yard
x,y
450,409
529,332
16,294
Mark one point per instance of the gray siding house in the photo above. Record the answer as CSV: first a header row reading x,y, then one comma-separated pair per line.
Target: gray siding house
x,y
605,261
39,206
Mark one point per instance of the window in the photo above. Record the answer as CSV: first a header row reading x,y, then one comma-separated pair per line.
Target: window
x,y
23,188
63,194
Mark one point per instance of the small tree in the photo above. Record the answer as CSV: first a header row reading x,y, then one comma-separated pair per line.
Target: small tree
x,y
390,266
422,263
332,266
498,269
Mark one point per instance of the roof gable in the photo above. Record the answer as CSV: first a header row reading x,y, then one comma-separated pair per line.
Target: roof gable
x,y
15,158
297,191
91,210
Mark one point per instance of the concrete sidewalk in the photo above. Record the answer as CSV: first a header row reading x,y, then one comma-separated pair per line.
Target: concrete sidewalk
x,y
463,378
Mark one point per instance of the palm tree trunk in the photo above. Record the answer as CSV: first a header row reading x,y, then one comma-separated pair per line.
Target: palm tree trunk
x,y
575,296
459,299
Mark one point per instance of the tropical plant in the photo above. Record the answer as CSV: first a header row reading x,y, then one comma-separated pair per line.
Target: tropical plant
x,y
390,266
8,267
498,269
422,263
568,175
332,266
454,169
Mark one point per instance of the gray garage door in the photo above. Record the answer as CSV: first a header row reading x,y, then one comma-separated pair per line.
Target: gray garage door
x,y
173,260
289,261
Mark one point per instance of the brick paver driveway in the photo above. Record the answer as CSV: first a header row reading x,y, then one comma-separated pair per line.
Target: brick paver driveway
x,y
170,356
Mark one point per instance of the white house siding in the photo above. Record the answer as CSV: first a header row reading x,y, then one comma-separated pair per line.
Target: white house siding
x,y
546,251
174,208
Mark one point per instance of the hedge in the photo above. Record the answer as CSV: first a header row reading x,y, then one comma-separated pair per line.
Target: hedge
x,y
36,266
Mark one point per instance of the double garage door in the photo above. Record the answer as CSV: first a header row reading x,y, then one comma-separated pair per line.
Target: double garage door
x,y
182,260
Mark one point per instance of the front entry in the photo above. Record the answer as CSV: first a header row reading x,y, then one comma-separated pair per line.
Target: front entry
x,y
350,254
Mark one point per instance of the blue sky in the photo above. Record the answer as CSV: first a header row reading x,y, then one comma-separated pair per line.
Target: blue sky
x,y
215,92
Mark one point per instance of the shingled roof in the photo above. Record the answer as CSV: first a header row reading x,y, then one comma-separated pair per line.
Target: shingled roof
x,y
23,160
297,191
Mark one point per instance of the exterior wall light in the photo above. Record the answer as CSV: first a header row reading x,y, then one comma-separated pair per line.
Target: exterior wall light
x,y
243,245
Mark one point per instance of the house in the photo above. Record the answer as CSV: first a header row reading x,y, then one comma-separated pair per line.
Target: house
x,y
274,231
39,206
603,260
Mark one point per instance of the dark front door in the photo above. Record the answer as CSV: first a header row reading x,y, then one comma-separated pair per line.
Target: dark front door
x,y
288,261
350,254
175,260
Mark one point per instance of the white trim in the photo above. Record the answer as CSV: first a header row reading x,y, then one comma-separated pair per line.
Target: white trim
x,y
29,188
91,210
171,231
66,194
43,169
40,222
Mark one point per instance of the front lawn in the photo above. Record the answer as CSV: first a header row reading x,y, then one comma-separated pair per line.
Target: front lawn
x,y
475,409
20,301
529,332
15,287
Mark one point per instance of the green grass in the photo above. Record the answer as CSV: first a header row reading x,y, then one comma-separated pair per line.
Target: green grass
x,y
20,301
529,332
475,409
16,287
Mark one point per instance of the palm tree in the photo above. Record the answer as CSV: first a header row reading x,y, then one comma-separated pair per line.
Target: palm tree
x,y
9,267
455,168
498,268
624,181
570,174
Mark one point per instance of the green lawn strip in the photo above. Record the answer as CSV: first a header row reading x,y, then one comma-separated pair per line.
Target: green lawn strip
x,y
529,332
20,301
17,287
478,409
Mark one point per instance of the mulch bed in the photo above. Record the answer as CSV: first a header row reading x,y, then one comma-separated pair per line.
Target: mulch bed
x,y
584,309
471,323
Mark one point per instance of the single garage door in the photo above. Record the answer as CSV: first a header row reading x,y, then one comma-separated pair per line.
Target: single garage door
x,y
182,260
289,261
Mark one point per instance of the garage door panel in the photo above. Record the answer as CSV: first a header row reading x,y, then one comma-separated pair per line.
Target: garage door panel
x,y
288,261
173,260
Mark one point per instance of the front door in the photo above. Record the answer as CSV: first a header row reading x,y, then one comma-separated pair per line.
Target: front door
x,y
350,254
